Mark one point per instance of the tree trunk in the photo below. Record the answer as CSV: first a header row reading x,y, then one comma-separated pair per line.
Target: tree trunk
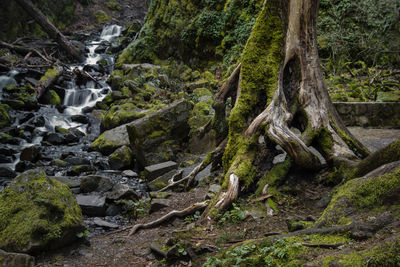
x,y
49,28
281,87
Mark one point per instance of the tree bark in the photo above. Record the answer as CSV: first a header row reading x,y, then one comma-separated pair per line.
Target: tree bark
x,y
49,28
280,69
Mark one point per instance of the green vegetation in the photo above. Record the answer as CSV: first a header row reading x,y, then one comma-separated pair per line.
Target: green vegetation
x,y
101,16
235,215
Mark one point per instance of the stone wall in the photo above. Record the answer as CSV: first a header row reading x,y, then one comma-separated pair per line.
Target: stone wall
x,y
369,114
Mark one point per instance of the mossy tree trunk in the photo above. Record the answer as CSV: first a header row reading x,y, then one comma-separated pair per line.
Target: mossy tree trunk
x,y
50,29
281,87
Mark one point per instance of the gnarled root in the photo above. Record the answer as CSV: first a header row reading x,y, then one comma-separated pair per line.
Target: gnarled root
x,y
225,199
175,213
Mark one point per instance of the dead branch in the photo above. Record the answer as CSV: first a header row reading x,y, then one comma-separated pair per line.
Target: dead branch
x,y
24,50
175,213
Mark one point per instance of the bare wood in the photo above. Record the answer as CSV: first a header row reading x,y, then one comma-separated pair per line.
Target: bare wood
x,y
49,28
225,199
175,213
229,87
264,197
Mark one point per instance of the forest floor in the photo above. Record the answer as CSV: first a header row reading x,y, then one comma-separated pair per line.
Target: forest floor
x,y
306,199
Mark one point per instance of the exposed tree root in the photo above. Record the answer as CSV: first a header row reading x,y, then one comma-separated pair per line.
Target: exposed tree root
x,y
225,199
229,88
211,158
175,213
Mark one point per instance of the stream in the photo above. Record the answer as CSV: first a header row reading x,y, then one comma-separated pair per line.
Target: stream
x,y
36,139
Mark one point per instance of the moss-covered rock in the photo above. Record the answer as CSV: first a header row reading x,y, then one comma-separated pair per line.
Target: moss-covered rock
x,y
20,97
113,5
112,139
101,16
155,137
51,97
37,213
4,117
121,158
120,114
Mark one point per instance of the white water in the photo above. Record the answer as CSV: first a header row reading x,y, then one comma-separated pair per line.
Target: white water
x,y
6,80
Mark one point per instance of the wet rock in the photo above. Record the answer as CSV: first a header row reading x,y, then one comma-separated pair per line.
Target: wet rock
x,y
59,163
129,173
80,118
7,172
16,259
24,165
121,158
157,137
30,153
120,114
96,183
79,169
104,224
6,159
112,139
5,119
74,160
158,204
92,205
122,191
35,196
153,171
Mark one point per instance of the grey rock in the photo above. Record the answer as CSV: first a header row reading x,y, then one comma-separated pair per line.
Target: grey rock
x,y
112,139
214,188
121,158
92,205
16,259
154,171
158,204
30,153
71,183
73,160
162,180
7,172
149,144
96,183
122,191
104,224
279,158
129,173
113,210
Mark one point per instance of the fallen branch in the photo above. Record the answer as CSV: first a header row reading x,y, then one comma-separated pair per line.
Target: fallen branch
x,y
24,50
175,213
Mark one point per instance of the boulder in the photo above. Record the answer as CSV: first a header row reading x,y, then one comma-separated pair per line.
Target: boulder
x,y
158,204
157,137
112,139
121,158
96,183
37,213
16,259
122,191
153,171
162,181
7,172
4,117
120,114
92,205
30,153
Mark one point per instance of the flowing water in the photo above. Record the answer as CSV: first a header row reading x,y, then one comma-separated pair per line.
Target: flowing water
x,y
77,97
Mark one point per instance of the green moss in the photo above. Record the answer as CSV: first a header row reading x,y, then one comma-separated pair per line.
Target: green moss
x,y
37,212
21,96
120,114
275,176
51,97
200,115
50,74
121,158
260,69
101,16
4,117
60,129
59,163
79,169
361,193
113,5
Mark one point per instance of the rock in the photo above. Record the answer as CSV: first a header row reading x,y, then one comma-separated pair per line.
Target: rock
x,y
92,205
79,169
30,153
51,97
122,191
59,163
105,224
157,204
16,259
7,172
38,213
113,210
71,183
214,188
153,171
4,117
296,223
80,118
157,137
95,183
129,173
121,158
112,139
24,166
162,180
73,160
279,158
120,114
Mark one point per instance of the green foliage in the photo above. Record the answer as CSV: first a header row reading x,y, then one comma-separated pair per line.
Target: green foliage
x,y
101,16
235,215
193,218
135,209
359,30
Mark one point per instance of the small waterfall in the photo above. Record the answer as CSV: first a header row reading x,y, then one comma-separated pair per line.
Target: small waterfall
x,y
6,80
110,32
